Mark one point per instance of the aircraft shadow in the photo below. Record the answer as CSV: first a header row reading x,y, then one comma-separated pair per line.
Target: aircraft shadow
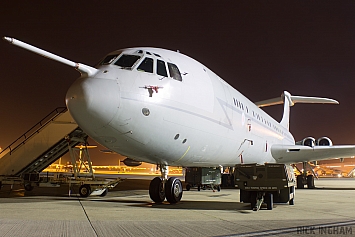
x,y
19,196
335,188
184,205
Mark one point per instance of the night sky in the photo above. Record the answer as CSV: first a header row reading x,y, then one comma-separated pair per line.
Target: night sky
x,y
261,48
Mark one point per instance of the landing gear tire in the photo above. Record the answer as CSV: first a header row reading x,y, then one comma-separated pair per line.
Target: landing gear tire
x,y
104,193
28,187
156,190
310,182
173,190
85,190
300,184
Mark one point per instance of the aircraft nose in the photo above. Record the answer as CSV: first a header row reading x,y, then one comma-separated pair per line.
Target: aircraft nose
x,y
93,102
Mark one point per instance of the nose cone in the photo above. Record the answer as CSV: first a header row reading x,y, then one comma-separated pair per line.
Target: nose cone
x,y
93,102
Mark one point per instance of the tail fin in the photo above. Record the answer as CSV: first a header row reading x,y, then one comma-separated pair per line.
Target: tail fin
x,y
289,100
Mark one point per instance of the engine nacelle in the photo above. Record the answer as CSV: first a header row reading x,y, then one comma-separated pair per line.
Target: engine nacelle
x,y
131,162
311,142
308,141
324,141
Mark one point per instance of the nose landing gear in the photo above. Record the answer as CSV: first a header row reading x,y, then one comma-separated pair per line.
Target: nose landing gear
x,y
173,190
156,190
162,187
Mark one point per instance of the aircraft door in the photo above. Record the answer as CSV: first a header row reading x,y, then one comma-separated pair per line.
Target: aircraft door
x,y
259,147
246,142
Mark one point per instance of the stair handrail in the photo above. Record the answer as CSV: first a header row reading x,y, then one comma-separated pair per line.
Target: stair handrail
x,y
33,130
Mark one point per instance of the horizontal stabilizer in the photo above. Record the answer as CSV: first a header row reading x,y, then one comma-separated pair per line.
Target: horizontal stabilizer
x,y
296,153
289,100
295,99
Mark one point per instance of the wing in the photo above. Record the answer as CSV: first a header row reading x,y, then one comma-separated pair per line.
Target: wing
x,y
296,153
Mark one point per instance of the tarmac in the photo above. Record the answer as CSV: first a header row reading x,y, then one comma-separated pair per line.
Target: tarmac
x,y
127,210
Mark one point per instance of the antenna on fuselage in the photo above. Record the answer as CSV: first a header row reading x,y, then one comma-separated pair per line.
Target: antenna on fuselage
x,y
82,68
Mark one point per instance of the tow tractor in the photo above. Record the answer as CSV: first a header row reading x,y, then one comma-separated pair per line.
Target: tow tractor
x,y
268,184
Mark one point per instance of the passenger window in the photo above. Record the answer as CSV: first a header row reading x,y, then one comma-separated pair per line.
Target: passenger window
x,y
161,68
127,61
174,72
109,59
146,65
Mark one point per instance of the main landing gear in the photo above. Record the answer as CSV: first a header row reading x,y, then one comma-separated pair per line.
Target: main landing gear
x,y
162,187
304,179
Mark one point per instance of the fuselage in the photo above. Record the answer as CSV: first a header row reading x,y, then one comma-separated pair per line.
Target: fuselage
x,y
163,107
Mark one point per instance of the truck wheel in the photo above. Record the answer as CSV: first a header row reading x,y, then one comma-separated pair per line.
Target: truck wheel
x,y
269,201
85,190
28,187
292,200
252,200
188,187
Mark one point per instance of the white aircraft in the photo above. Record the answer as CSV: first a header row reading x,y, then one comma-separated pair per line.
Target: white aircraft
x,y
165,108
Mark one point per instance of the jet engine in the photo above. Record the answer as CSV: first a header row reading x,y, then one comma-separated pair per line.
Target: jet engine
x,y
308,141
311,142
324,141
131,162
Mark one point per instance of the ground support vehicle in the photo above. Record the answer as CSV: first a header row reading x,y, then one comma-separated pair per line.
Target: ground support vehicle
x,y
268,184
203,178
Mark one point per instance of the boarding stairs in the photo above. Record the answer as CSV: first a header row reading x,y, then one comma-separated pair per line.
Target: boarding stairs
x,y
41,145
351,173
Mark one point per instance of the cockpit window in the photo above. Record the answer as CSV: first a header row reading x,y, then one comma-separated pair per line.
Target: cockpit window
x,y
127,61
161,68
174,72
146,65
109,59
